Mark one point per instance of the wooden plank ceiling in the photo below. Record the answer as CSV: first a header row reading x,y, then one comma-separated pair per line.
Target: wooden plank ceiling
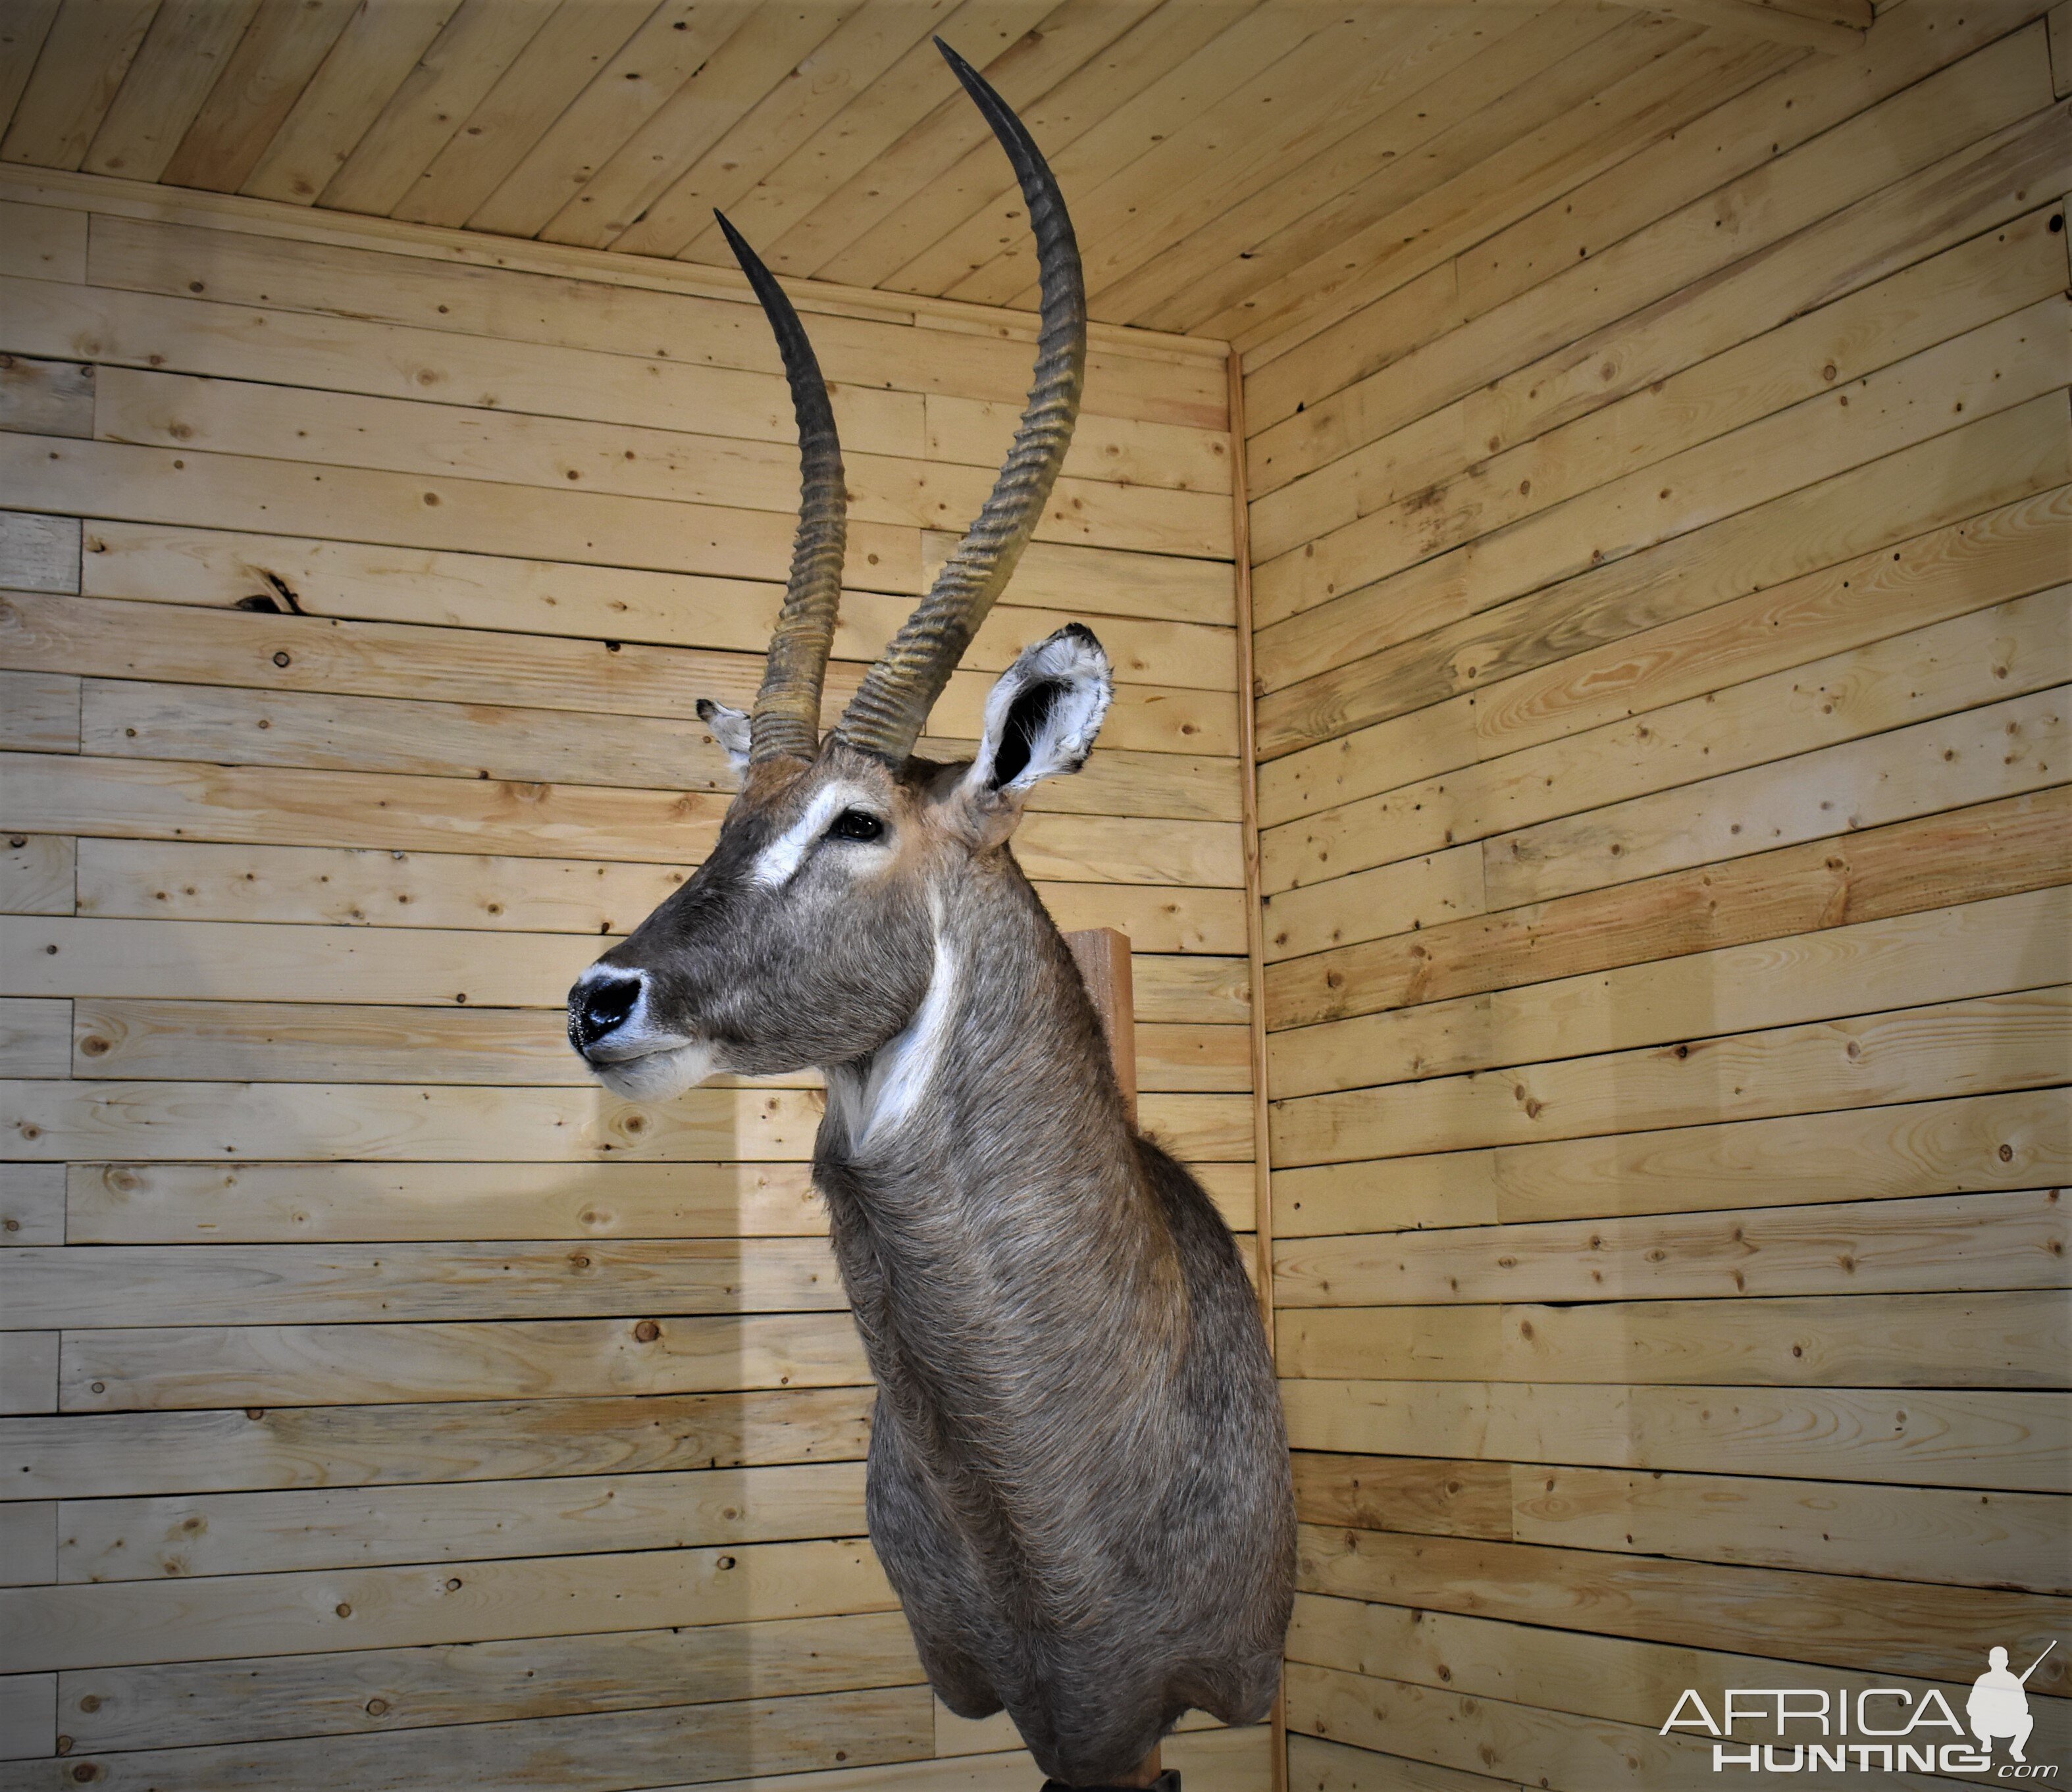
x,y
1234,165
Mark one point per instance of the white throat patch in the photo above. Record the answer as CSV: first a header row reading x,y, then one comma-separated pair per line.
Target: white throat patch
x,y
876,1104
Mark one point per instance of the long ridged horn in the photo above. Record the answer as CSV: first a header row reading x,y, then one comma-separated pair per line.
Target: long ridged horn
x,y
885,715
786,721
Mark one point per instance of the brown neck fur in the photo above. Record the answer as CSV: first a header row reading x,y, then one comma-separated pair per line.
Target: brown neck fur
x,y
1008,1202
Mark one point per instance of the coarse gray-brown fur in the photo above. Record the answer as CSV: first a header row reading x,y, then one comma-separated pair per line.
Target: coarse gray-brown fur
x,y
1078,1478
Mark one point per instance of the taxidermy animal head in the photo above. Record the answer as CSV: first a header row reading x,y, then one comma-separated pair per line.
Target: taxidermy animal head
x,y
1078,1481
807,937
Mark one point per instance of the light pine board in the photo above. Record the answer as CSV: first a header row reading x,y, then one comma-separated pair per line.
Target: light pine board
x,y
1216,151
351,645
1664,791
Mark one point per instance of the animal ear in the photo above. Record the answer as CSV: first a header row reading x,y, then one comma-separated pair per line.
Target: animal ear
x,y
730,728
1042,715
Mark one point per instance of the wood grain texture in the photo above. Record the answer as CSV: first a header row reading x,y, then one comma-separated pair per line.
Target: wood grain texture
x,y
1910,1438
107,1455
28,1376
290,1042
1865,599
369,886
831,129
52,398
23,30
604,1752
1891,1533
1765,1334
1990,368
262,1203
2005,1142
439,440
1914,123
271,63
178,63
1577,1418
375,53
270,1283
376,1690
599,1485
1105,115
42,712
1436,1740
139,1368
32,1204
1480,176
1895,1533
1876,1340
1981,948
1685,1603
55,1122
1963,663
248,1533
2011,1240
1599,1676
1914,1054
278,1203
1945,479
1836,35
137,719
183,800
28,1029
1996,749
408,661
422,112
1872,327
82,61
110,1623
1970,759
38,553
566,54
172,564
1449,126
1959,855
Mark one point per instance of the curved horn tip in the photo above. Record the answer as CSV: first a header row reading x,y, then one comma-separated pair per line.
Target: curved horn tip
x,y
980,89
735,240
890,709
785,720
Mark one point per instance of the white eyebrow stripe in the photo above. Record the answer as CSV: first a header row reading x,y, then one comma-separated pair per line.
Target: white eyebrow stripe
x,y
777,863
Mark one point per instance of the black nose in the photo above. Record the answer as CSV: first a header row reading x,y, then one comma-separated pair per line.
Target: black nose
x,y
600,1005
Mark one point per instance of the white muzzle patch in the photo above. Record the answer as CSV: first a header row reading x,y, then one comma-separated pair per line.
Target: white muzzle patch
x,y
642,1062
658,1075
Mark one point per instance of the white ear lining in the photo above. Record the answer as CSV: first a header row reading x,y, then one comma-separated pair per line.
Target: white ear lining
x,y
730,727
1074,662
1066,735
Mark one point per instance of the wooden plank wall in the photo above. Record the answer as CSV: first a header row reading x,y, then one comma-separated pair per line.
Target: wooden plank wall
x,y
1661,630
384,1402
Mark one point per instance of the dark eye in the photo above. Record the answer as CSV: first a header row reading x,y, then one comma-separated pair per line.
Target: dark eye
x,y
856,825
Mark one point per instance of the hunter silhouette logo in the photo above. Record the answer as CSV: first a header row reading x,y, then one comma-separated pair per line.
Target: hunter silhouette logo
x,y
1871,1729
1998,1708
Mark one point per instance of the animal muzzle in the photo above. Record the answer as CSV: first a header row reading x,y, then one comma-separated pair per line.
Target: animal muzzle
x,y
612,1027
600,1004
